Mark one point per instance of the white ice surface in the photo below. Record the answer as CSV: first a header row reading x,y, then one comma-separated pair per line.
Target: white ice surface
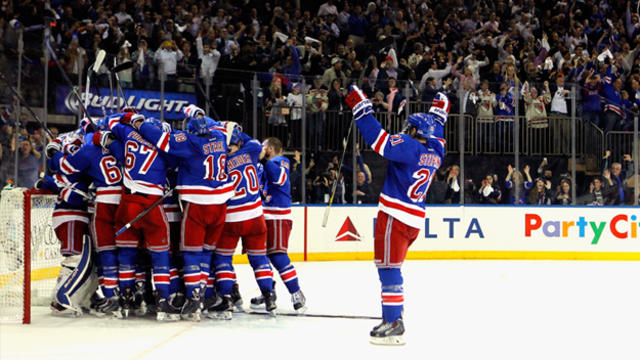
x,y
453,310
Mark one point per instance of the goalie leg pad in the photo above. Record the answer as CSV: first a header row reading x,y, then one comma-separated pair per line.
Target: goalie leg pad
x,y
77,281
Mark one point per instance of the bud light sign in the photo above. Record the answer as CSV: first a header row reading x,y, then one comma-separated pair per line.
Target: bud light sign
x,y
147,102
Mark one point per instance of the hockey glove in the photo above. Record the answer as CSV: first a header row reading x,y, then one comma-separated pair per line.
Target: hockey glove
x,y
132,119
70,146
358,102
103,139
53,147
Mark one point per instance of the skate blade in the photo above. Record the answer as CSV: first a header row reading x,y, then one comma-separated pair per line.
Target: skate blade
x,y
396,340
256,306
113,315
220,315
192,317
164,317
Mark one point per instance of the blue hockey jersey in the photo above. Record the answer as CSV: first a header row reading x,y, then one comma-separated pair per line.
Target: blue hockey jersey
x,y
277,189
412,166
144,170
241,167
202,175
100,164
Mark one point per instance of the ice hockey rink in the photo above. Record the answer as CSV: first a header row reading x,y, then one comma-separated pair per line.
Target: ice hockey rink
x,y
474,309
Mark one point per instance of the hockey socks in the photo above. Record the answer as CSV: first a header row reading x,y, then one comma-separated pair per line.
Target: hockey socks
x,y
288,274
109,272
392,294
161,263
225,276
206,280
262,271
127,258
192,275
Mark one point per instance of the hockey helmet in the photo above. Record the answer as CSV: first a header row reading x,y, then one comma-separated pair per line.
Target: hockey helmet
x,y
440,106
423,124
164,126
234,133
198,126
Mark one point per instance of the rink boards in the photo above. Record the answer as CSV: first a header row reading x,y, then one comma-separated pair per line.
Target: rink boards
x,y
475,232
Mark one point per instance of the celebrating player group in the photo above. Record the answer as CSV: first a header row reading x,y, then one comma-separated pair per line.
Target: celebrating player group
x,y
171,254
169,209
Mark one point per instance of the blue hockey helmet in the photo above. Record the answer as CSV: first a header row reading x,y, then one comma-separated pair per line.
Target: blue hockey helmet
x,y
440,106
234,133
198,126
164,126
423,123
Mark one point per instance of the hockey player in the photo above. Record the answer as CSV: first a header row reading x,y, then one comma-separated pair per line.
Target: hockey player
x,y
414,157
204,189
244,220
144,177
102,166
69,220
277,213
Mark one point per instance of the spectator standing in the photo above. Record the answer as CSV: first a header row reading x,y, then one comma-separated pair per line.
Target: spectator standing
x,y
167,59
317,104
143,75
294,101
611,91
539,194
615,178
535,106
596,195
335,118
209,57
277,101
28,164
125,76
591,104
514,180
334,72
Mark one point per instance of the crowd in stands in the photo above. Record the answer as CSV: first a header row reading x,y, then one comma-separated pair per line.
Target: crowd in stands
x,y
489,56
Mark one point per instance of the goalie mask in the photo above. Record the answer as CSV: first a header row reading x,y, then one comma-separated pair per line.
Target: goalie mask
x,y
440,107
234,133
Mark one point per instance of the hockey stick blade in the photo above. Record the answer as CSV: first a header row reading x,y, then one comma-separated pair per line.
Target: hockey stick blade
x,y
99,60
124,66
326,316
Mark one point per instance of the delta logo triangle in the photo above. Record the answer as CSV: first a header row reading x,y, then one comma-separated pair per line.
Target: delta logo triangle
x,y
348,232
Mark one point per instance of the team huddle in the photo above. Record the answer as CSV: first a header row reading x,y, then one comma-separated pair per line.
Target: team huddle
x,y
224,193
160,251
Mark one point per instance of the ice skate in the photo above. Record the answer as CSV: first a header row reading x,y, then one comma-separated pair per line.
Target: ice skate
x,y
139,305
236,299
269,300
221,308
191,309
109,307
257,303
126,302
388,333
299,301
164,310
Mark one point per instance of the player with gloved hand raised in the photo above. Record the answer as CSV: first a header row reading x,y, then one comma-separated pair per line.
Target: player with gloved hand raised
x,y
414,157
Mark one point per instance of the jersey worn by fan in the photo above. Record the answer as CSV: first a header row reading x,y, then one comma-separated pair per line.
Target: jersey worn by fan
x,y
277,189
202,178
241,167
412,166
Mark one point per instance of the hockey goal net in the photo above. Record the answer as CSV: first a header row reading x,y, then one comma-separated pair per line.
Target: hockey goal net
x,y
29,253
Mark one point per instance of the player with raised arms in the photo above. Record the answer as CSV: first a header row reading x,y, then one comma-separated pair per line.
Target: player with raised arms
x,y
414,157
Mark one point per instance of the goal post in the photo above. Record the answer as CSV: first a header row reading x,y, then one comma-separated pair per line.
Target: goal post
x,y
29,252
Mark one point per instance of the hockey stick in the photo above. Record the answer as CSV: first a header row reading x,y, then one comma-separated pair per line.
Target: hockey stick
x,y
67,186
114,71
24,104
204,95
74,91
326,316
92,70
145,212
325,218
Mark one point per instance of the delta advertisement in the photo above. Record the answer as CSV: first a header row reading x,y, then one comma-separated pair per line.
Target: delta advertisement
x,y
476,232
148,103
